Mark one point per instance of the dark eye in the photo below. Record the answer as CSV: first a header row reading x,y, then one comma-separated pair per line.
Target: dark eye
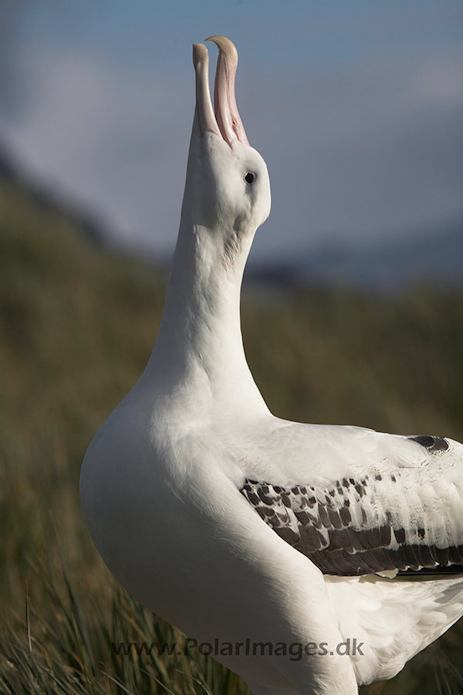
x,y
249,177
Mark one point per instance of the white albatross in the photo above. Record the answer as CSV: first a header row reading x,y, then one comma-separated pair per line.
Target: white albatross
x,y
237,526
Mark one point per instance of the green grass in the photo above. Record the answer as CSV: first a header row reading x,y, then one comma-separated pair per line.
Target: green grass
x,y
76,328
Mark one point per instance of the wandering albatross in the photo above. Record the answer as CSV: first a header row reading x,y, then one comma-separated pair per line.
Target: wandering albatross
x,y
241,527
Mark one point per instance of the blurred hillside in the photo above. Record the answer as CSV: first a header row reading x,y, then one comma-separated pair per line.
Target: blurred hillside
x,y
77,327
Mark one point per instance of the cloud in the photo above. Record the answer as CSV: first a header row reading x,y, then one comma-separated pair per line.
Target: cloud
x,y
11,74
115,142
363,153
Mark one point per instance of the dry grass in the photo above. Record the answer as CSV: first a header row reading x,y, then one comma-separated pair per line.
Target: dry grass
x,y
76,328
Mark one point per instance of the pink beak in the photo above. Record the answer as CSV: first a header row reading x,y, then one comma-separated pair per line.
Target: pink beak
x,y
225,122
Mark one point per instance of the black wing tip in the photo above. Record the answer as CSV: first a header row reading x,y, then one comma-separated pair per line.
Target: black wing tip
x,y
432,572
431,442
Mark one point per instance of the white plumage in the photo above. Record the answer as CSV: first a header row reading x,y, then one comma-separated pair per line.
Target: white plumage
x,y
236,525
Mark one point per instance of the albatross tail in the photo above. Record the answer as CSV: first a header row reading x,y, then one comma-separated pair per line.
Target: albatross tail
x,y
393,620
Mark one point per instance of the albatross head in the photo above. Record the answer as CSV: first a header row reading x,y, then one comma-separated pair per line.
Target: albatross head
x,y
227,191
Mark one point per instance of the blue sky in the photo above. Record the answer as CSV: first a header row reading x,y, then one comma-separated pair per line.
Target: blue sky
x,y
356,107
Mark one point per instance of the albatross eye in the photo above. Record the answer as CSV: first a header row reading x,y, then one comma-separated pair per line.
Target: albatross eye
x,y
249,177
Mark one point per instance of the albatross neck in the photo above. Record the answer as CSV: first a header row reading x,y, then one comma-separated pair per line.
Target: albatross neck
x,y
199,346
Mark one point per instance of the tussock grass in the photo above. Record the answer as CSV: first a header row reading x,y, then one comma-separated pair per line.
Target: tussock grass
x,y
76,329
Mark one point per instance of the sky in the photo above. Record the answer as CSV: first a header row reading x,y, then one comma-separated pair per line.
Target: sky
x,y
356,107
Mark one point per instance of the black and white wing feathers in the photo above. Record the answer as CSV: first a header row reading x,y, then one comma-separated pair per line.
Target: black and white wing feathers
x,y
384,521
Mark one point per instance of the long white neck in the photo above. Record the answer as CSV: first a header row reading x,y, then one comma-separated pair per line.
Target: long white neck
x,y
199,354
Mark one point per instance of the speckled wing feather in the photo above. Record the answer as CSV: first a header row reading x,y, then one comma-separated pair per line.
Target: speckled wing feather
x,y
355,526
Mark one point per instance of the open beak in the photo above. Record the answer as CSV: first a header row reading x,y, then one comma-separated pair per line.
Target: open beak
x,y
225,122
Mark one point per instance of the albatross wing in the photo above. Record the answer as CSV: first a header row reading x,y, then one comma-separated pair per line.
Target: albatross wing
x,y
384,517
